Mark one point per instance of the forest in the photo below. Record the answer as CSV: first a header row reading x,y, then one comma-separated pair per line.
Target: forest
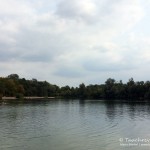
x,y
14,86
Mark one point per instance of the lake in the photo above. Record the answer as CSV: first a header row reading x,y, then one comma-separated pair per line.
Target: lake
x,y
74,125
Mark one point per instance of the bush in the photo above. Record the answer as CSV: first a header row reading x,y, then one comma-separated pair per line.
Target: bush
x,y
19,96
1,96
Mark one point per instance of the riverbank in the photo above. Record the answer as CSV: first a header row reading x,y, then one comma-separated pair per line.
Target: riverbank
x,y
26,98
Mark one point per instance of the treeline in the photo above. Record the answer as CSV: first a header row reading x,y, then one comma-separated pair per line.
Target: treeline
x,y
12,85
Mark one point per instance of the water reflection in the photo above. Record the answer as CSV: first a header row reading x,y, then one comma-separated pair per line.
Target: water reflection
x,y
115,109
71,124
110,110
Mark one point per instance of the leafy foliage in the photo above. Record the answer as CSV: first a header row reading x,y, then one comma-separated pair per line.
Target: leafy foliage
x,y
19,87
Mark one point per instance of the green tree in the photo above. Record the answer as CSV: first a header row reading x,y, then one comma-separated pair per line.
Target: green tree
x,y
82,91
13,76
109,88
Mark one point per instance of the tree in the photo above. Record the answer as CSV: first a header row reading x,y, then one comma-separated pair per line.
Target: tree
x,y
10,87
82,91
13,76
109,88
131,89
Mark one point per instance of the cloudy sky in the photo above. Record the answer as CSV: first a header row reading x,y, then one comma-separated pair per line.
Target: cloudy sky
x,y
67,42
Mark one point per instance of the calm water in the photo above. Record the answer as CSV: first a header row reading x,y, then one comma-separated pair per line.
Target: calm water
x,y
73,125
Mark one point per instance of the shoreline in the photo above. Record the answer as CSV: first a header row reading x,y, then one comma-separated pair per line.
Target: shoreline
x,y
26,98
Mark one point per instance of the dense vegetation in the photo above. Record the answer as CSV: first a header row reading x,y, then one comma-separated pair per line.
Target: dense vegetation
x,y
12,85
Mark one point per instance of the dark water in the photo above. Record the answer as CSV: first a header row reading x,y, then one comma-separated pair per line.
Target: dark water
x,y
74,125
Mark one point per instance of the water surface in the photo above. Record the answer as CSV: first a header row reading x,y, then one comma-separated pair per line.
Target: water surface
x,y
73,125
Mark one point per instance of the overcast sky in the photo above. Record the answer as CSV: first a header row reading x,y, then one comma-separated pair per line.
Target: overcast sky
x,y
67,42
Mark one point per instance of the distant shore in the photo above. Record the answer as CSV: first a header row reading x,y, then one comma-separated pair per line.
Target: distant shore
x,y
21,88
26,97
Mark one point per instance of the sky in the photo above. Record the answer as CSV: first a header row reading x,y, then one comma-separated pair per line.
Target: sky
x,y
68,42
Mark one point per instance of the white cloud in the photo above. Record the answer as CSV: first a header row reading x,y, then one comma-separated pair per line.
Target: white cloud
x,y
85,9
72,39
14,7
